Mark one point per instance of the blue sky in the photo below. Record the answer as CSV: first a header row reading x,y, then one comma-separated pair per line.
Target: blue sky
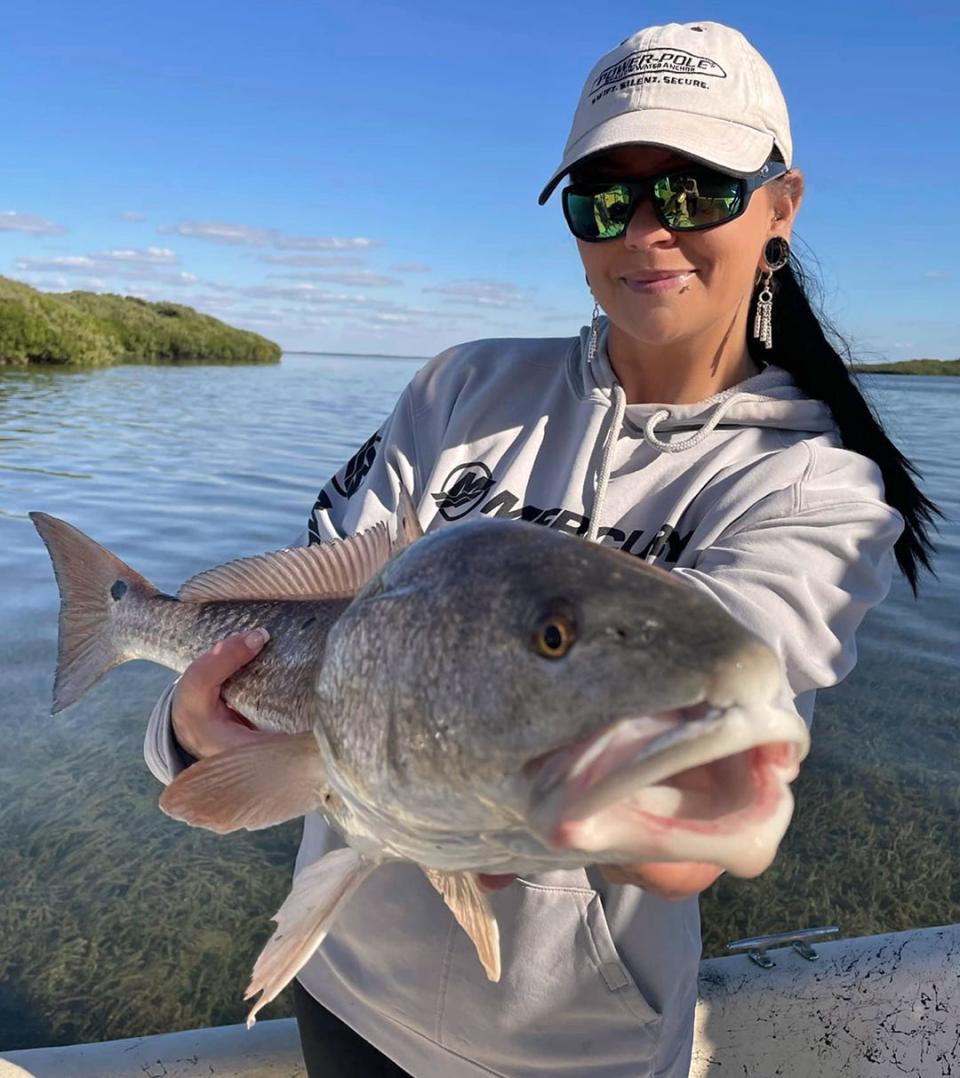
x,y
363,177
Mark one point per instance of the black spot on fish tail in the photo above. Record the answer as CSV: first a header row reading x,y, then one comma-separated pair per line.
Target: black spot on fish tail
x,y
117,590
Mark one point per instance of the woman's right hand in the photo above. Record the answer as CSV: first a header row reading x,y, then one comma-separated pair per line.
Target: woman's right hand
x,y
202,723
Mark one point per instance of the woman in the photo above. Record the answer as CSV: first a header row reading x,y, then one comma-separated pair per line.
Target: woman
x,y
707,425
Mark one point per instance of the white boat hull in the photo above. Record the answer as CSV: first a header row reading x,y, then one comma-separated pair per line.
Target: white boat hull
x,y
869,1007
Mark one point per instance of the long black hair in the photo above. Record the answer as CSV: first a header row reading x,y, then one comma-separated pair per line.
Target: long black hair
x,y
808,346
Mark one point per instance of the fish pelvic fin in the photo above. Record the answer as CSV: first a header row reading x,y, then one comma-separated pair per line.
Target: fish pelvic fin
x,y
275,779
470,906
303,921
96,588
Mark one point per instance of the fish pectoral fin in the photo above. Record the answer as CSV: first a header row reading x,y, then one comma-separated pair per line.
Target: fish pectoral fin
x,y
334,570
270,781
304,920
470,905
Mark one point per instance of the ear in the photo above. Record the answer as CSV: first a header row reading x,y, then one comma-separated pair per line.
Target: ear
x,y
786,194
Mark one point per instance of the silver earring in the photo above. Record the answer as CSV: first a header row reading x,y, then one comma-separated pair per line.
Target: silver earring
x,y
594,332
776,254
763,317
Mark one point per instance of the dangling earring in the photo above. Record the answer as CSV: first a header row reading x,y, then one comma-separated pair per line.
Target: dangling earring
x,y
594,332
776,253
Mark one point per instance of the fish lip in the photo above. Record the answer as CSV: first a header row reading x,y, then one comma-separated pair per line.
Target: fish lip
x,y
767,741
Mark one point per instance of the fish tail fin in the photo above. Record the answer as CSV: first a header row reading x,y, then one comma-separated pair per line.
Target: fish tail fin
x,y
95,588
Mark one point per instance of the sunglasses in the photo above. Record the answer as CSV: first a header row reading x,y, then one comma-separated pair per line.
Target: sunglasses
x,y
688,200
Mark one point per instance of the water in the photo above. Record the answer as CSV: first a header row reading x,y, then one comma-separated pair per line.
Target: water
x,y
116,921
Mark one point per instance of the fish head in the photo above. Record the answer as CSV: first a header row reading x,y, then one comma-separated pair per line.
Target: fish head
x,y
499,675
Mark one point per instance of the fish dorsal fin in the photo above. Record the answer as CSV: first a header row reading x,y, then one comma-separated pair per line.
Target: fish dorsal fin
x,y
334,570
470,906
408,523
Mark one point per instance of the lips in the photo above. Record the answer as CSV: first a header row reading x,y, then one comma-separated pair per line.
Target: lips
x,y
700,783
656,275
654,282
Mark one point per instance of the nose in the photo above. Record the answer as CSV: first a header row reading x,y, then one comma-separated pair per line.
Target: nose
x,y
644,228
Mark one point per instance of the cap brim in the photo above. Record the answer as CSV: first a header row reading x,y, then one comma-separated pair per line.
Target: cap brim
x,y
726,145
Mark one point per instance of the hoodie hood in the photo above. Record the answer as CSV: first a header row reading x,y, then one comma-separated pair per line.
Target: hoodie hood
x,y
770,398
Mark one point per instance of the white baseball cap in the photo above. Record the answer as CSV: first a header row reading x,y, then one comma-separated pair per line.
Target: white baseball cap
x,y
699,88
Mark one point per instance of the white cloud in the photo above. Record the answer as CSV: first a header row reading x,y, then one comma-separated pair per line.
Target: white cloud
x,y
411,267
60,263
936,275
244,235
325,243
221,232
122,262
483,293
11,221
361,277
152,256
131,215
311,260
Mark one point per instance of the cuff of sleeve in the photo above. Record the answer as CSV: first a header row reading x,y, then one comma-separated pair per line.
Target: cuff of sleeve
x,y
164,755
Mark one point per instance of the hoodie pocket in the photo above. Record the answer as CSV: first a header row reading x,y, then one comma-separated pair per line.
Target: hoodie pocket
x,y
565,1002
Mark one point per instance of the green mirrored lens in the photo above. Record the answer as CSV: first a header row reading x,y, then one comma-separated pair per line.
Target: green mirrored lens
x,y
600,216
697,199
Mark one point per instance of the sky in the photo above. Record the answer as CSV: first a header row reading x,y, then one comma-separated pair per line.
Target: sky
x,y
364,177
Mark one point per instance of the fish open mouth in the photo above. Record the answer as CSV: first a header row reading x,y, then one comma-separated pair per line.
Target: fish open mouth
x,y
695,783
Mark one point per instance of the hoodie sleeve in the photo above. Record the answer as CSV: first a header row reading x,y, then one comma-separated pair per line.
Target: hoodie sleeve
x,y
364,491
367,488
801,567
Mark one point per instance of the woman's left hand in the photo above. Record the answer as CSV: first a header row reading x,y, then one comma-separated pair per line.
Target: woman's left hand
x,y
667,879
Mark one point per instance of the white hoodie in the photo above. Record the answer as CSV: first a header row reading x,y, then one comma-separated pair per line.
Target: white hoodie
x,y
747,495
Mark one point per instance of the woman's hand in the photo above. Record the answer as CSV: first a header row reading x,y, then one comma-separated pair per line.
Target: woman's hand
x,y
202,723
667,879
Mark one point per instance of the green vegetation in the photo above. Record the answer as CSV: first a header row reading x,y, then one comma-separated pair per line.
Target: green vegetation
x,y
85,329
911,366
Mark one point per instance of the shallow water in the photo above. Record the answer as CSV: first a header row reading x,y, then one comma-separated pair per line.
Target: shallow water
x,y
115,921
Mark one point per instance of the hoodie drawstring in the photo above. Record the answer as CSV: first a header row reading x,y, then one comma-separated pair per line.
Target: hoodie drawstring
x,y
685,443
606,465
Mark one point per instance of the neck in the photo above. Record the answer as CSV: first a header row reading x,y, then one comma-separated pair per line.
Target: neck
x,y
681,372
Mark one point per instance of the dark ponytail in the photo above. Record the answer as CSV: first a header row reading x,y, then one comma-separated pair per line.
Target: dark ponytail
x,y
802,345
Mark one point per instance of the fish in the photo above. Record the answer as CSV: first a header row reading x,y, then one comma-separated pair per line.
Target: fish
x,y
493,698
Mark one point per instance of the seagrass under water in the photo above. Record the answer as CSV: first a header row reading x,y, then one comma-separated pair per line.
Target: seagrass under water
x,y
116,921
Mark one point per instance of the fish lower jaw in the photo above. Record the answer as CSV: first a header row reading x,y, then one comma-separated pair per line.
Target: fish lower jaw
x,y
714,788
732,812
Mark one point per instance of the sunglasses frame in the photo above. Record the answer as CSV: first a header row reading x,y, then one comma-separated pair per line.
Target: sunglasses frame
x,y
643,188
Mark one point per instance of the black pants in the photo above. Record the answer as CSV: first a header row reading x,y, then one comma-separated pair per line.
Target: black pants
x,y
331,1049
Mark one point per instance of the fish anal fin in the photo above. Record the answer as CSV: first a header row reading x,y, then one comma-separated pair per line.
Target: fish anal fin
x,y
277,778
470,906
333,570
304,920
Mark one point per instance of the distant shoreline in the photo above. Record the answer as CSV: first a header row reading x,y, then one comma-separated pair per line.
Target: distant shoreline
x,y
949,367
349,355
904,366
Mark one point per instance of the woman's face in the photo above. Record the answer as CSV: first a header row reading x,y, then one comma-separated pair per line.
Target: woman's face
x,y
659,287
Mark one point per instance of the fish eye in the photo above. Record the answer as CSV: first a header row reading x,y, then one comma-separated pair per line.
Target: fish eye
x,y
553,636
